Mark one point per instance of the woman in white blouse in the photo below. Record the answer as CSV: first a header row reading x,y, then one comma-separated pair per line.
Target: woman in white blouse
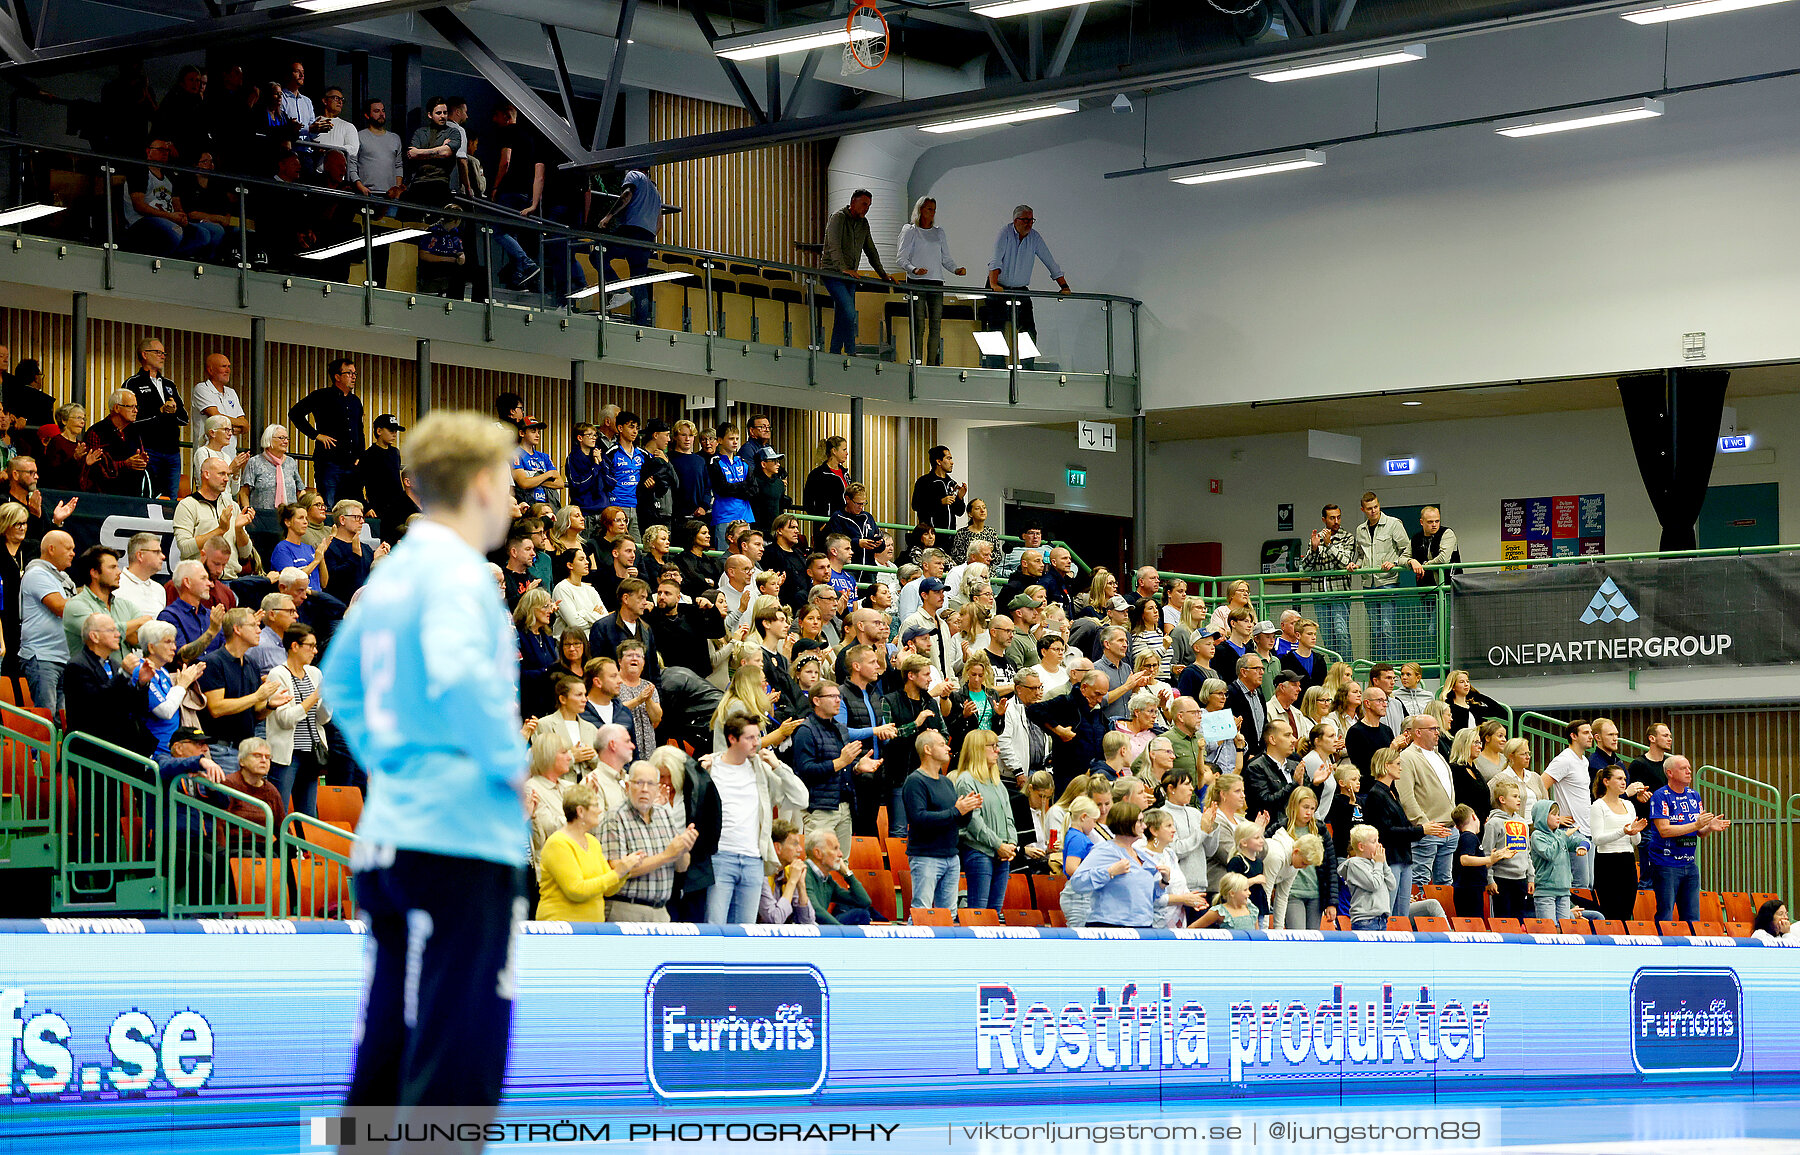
x,y
218,436
1616,828
924,252
577,603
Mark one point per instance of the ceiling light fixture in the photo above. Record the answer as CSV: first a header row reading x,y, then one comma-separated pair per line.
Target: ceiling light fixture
x,y
632,283
1574,118
995,9
25,213
991,120
1332,67
780,41
333,5
1663,13
1253,166
383,237
1412,402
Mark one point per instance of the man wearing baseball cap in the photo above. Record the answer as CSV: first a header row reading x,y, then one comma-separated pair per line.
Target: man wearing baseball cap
x,y
931,601
1264,639
389,504
533,470
1200,670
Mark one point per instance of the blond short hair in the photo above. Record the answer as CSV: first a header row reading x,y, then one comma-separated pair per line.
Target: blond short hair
x,y
1309,850
448,450
1361,835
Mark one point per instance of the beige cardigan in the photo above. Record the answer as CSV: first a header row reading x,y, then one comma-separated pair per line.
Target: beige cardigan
x,y
284,719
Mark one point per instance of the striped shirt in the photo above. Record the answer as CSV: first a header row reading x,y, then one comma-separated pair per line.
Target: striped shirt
x,y
306,731
624,832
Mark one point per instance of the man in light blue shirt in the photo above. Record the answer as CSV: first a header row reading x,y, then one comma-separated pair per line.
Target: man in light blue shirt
x,y
1016,250
423,677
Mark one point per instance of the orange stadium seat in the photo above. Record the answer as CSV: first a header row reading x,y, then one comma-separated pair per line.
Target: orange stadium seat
x,y
1047,889
340,804
880,885
1644,908
1714,929
1431,924
978,916
1469,925
1506,926
865,852
1739,929
1609,926
1541,926
1396,922
933,916
1018,893
1738,907
1640,926
1015,917
1675,927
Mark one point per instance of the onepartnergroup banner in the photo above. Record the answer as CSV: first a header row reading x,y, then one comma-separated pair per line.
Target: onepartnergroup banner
x,y
1636,615
119,1038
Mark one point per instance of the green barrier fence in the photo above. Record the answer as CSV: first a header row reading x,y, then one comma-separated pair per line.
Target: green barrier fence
x,y
315,859
1754,854
220,863
108,801
28,776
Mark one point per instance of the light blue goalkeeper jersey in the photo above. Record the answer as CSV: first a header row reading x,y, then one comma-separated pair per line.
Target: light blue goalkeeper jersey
x,y
423,680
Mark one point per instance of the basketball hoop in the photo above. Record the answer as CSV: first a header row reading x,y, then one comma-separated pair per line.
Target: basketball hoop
x,y
866,42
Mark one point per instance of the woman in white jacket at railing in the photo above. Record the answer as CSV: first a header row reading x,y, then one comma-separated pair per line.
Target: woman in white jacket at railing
x,y
298,752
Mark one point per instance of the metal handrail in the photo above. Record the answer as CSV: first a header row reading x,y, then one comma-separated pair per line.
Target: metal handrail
x,y
208,864
904,528
1515,563
301,853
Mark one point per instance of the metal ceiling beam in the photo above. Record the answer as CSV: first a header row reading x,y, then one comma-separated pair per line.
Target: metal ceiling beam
x,y
615,71
1340,19
1185,69
560,69
13,40
1295,25
732,73
556,129
1004,50
807,67
1065,43
279,20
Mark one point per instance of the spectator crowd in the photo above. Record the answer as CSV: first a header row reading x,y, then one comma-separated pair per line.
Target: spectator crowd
x,y
719,696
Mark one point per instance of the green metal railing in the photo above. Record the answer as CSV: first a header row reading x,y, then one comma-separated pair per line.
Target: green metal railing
x,y
28,745
108,801
221,864
315,859
1753,854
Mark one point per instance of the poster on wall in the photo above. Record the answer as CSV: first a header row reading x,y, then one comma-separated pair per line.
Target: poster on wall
x,y
1543,527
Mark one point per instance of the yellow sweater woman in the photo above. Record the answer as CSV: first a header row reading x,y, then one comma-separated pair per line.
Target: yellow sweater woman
x,y
573,874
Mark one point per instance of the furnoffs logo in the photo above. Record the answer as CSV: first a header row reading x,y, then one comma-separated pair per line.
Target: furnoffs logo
x,y
736,1031
1609,604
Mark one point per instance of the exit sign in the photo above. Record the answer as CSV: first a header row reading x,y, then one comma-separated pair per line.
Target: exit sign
x,y
1077,478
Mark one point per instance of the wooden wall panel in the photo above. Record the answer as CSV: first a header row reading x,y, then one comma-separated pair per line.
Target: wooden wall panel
x,y
389,385
752,204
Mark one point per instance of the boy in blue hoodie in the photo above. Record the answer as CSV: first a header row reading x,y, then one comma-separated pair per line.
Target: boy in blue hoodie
x,y
1554,848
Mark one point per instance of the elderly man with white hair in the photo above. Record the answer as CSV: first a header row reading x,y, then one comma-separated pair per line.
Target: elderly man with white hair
x,y
643,826
252,778
271,479
208,513
838,899
981,552
120,467
99,687
187,610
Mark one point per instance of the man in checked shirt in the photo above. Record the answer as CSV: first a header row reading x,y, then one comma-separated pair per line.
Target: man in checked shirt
x,y
642,824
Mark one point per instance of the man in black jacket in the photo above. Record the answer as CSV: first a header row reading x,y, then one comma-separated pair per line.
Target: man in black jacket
x,y
657,482
937,498
911,711
1267,780
379,471
854,522
1383,810
103,698
1244,699
828,760
1075,721
682,631
161,416
333,417
784,556
628,621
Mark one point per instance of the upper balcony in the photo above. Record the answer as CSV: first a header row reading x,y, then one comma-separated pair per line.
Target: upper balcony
x,y
300,252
